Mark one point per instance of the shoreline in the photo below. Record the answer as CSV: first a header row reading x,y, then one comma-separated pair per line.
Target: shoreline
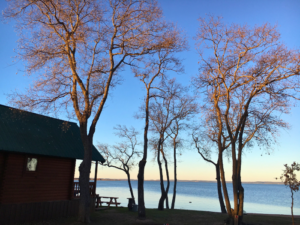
x,y
279,215
208,181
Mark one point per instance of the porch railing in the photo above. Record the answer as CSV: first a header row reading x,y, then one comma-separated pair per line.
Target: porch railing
x,y
76,189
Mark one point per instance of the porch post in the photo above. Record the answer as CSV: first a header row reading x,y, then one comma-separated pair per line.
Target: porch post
x,y
95,180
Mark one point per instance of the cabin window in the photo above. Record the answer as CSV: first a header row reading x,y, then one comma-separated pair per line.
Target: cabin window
x,y
31,164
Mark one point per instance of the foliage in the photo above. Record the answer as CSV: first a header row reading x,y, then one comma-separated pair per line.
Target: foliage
x,y
289,178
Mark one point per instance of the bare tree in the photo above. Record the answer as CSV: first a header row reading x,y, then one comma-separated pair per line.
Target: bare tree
x,y
152,73
179,125
122,157
289,179
204,145
205,139
248,78
176,143
75,48
159,145
173,104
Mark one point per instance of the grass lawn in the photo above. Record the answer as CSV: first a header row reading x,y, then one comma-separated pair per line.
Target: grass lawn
x,y
120,216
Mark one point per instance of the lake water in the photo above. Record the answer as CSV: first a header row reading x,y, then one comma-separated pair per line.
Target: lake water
x,y
259,198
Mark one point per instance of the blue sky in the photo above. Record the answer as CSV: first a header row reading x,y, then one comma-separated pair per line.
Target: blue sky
x,y
125,100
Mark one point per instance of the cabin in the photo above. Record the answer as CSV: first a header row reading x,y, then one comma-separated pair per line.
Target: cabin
x,y
37,166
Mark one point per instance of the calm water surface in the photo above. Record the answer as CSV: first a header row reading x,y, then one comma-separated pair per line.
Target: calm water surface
x,y
259,198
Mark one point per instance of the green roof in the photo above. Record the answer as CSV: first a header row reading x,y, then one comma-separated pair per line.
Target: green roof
x,y
26,132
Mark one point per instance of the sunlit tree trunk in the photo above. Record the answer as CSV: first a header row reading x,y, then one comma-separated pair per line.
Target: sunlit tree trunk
x,y
220,195
224,186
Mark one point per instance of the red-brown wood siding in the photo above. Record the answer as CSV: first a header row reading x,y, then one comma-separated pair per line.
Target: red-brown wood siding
x,y
1,165
71,194
2,162
50,182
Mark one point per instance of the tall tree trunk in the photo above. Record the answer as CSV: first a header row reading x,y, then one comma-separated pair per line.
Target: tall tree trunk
x,y
162,188
225,192
241,204
168,182
292,207
220,195
142,164
167,201
141,202
239,192
175,178
240,189
235,181
130,187
84,176
235,187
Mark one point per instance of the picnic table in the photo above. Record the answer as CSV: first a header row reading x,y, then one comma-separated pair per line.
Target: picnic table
x,y
101,199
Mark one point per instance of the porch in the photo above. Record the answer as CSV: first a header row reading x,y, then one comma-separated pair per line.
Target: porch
x,y
76,189
92,185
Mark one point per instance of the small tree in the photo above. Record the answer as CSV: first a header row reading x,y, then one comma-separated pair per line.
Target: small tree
x,y
290,180
204,145
172,104
122,156
179,125
151,72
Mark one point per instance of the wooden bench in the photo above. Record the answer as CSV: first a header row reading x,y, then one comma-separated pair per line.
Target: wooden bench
x,y
112,201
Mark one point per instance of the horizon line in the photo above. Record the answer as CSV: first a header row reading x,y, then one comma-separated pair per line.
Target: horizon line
x,y
214,181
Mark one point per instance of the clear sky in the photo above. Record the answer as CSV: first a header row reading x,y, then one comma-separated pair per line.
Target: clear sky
x,y
125,100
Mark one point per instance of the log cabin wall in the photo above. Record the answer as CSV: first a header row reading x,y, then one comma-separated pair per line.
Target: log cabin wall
x,y
50,182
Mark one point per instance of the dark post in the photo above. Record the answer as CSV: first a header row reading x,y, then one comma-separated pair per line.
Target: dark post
x,y
95,180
